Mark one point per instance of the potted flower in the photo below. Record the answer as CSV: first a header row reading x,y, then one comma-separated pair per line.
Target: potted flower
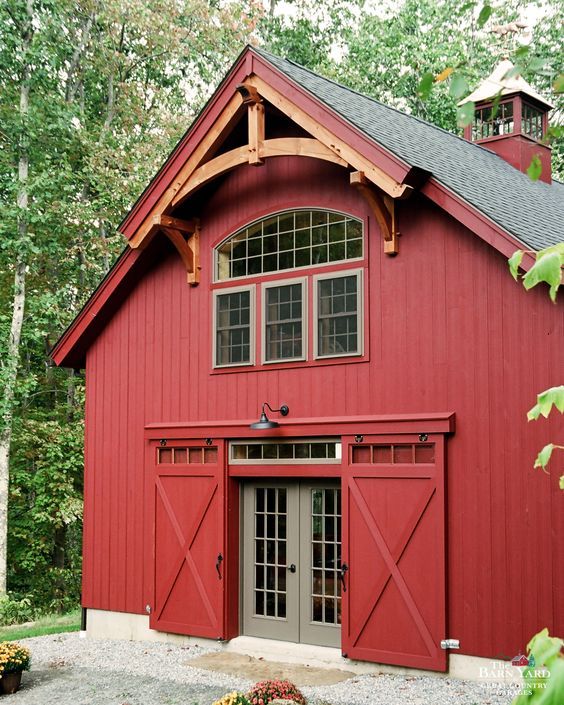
x,y
266,691
14,659
233,698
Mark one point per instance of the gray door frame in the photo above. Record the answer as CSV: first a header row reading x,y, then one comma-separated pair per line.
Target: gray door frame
x,y
298,625
287,628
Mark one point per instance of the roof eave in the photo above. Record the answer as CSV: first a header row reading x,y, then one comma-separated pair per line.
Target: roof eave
x,y
70,349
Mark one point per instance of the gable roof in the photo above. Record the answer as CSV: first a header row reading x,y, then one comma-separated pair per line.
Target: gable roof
x,y
533,212
475,185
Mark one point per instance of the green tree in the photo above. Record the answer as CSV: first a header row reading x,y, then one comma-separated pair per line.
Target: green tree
x,y
94,95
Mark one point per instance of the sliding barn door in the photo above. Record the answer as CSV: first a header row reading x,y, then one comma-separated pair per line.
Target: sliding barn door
x,y
394,551
188,540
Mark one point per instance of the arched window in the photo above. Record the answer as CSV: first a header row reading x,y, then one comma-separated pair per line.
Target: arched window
x,y
327,303
289,240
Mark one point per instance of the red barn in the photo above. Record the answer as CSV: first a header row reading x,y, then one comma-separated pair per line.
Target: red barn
x,y
311,253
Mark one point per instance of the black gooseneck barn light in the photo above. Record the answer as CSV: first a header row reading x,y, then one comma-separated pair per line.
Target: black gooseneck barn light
x,y
264,423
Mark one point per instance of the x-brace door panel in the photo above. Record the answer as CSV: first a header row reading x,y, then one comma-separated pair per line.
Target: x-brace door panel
x,y
189,540
394,550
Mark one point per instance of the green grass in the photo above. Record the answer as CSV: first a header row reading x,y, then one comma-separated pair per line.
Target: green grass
x,y
50,624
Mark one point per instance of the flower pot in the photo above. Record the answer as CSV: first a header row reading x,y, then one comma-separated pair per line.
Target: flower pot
x,y
10,682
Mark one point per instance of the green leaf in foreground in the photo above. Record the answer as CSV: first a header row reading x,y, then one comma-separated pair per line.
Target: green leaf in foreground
x,y
425,85
484,16
558,86
543,458
559,248
543,682
554,396
547,269
534,170
514,262
465,114
458,86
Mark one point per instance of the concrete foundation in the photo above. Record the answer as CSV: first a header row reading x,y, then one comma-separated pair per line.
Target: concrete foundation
x,y
102,624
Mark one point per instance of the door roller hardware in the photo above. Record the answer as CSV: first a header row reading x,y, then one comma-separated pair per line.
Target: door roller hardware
x,y
450,644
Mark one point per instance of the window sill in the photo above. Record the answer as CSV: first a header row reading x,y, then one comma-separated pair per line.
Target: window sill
x,y
270,366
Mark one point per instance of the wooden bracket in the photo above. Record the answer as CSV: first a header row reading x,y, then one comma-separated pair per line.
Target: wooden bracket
x,y
384,209
249,93
185,236
255,117
256,132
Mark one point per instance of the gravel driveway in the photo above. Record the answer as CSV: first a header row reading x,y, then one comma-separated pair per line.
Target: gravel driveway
x,y
67,670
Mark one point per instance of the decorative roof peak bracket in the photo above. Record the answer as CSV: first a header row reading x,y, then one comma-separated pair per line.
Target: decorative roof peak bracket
x,y
384,209
185,236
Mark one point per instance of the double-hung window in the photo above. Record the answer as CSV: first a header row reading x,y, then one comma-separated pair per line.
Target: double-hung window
x,y
234,326
285,321
338,314
316,316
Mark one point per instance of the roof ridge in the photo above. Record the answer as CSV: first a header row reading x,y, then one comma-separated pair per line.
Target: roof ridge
x,y
368,97
471,171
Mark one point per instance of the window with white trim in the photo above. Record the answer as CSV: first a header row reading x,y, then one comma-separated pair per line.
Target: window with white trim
x,y
338,314
234,326
289,240
288,451
284,320
327,304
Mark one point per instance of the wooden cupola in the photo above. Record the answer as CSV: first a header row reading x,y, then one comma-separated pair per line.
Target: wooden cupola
x,y
511,119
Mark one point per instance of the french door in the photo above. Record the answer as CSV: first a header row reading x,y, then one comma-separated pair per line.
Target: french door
x,y
292,561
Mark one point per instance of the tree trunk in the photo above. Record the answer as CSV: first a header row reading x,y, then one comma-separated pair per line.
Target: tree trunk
x,y
59,547
10,371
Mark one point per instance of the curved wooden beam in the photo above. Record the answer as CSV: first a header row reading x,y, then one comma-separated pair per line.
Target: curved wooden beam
x,y
281,147
358,161
383,208
185,236
301,147
210,141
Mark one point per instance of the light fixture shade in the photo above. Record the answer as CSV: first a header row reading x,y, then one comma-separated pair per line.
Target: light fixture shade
x,y
264,422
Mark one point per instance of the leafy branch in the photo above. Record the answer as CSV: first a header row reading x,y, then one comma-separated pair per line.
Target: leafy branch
x,y
547,267
553,397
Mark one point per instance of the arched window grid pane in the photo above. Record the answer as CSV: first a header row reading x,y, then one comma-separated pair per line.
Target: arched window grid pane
x,y
290,240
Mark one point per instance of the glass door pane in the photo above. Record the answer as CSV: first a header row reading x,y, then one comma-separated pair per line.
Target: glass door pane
x,y
270,552
320,562
325,564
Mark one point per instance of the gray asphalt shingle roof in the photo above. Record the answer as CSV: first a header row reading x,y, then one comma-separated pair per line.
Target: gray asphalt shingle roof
x,y
531,211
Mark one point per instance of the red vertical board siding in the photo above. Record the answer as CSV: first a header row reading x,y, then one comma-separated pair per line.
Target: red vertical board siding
x,y
448,330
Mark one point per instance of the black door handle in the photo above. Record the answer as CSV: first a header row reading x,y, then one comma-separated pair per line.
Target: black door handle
x,y
218,565
344,569
292,568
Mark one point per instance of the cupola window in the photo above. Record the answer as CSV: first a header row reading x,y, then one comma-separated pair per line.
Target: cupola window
x,y
531,122
491,122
